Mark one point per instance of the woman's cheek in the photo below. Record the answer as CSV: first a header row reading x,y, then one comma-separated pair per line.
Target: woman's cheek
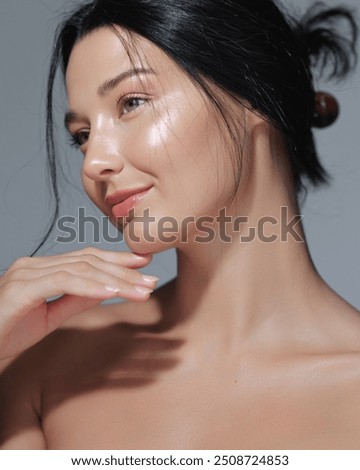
x,y
158,133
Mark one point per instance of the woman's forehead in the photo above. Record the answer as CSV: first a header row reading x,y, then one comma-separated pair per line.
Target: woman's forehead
x,y
105,52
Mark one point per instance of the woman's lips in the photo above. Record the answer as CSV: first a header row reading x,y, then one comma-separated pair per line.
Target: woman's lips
x,y
123,208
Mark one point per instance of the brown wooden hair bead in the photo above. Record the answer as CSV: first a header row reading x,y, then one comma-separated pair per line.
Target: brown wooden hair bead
x,y
326,110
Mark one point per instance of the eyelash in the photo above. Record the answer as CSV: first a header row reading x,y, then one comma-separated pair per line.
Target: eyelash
x,y
74,138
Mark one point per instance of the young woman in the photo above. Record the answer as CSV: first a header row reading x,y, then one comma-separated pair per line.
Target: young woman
x,y
195,122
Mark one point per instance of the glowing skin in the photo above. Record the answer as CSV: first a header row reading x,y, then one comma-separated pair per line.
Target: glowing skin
x,y
152,144
177,147
249,348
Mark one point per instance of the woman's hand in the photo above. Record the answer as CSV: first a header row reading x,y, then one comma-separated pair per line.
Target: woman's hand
x,y
82,278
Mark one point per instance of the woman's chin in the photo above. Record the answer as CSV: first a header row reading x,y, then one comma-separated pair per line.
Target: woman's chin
x,y
147,243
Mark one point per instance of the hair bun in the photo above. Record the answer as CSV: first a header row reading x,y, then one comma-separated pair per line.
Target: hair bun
x,y
325,44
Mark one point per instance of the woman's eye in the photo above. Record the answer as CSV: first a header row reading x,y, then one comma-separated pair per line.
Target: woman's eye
x,y
79,139
130,104
127,104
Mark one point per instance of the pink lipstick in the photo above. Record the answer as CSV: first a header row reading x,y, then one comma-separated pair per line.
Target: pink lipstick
x,y
124,201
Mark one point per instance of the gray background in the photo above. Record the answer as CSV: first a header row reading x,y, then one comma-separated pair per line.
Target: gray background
x,y
331,215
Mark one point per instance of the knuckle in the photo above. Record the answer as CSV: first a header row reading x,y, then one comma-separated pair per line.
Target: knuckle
x,y
127,272
82,266
61,276
91,250
18,274
91,258
20,263
12,288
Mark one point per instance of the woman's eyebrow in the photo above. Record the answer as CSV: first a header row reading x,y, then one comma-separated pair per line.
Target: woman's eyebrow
x,y
70,116
109,85
106,87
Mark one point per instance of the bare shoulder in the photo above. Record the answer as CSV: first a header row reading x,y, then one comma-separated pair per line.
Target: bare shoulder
x,y
86,345
335,368
344,400
344,326
81,337
333,324
20,422
90,327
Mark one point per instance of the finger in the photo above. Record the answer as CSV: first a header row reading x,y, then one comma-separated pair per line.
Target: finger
x,y
59,310
60,283
124,258
90,267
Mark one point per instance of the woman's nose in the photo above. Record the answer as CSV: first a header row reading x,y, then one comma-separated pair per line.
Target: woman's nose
x,y
102,159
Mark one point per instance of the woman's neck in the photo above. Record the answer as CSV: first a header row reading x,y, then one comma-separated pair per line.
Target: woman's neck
x,y
235,295
228,295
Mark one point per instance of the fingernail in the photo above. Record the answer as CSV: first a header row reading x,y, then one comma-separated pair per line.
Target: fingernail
x,y
112,289
140,257
143,290
150,279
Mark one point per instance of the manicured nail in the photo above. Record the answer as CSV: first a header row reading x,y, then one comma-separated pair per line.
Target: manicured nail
x,y
143,290
150,279
140,257
112,289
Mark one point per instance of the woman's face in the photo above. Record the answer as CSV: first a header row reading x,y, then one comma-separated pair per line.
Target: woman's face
x,y
154,132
